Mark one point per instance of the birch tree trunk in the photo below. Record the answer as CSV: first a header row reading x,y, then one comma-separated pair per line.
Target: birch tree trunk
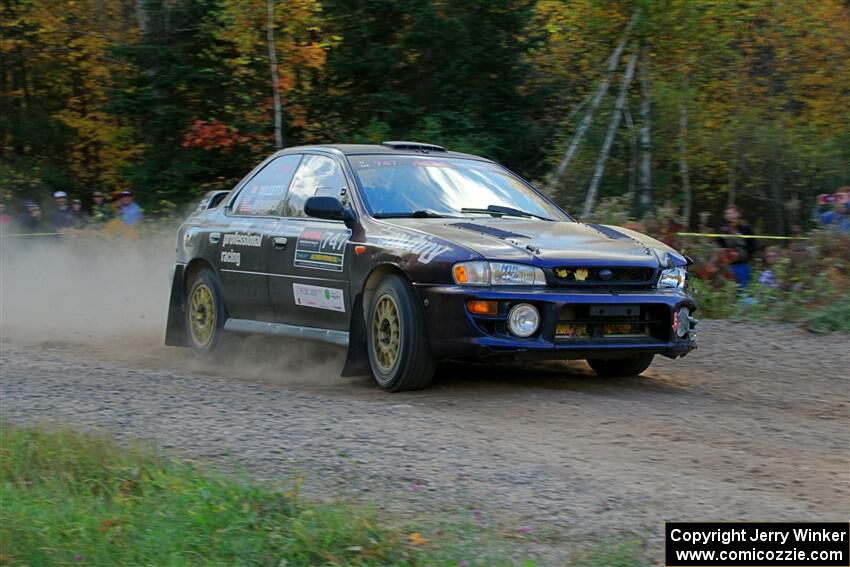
x,y
613,63
633,143
736,132
613,124
683,163
278,119
142,15
645,177
736,143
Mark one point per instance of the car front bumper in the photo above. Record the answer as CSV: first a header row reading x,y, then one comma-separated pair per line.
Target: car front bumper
x,y
456,333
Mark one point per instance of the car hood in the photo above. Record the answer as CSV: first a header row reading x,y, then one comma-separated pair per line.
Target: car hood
x,y
549,244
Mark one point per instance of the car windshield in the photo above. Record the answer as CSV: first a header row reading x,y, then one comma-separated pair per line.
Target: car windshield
x,y
398,186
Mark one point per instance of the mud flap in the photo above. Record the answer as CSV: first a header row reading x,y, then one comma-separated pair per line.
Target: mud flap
x,y
357,361
175,328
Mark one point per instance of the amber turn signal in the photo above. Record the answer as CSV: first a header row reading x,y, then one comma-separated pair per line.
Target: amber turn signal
x,y
461,275
479,307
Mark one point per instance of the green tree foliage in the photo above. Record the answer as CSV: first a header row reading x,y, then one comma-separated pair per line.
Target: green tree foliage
x,y
173,97
451,72
184,104
54,73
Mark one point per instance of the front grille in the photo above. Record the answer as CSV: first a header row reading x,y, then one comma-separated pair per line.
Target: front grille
x,y
602,275
613,322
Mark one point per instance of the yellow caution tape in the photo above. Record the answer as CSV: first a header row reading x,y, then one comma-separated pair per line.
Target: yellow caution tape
x,y
34,234
759,236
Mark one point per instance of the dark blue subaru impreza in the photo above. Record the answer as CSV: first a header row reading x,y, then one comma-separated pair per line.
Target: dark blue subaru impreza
x,y
407,254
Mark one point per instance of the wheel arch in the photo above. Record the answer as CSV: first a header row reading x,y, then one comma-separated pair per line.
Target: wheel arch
x,y
370,284
193,267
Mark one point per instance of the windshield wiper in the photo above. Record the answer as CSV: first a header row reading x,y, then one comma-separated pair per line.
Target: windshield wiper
x,y
420,214
501,210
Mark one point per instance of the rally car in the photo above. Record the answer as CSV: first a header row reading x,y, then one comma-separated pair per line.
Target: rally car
x,y
408,254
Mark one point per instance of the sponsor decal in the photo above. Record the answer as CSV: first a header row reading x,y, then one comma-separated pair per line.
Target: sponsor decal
x,y
328,298
321,250
231,257
425,246
242,239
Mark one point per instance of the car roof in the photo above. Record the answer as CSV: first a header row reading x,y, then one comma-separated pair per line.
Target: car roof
x,y
397,148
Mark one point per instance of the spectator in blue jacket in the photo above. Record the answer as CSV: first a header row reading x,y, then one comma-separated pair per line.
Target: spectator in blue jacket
x,y
839,216
738,245
129,211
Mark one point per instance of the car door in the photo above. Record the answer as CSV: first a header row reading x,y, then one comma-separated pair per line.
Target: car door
x,y
252,220
308,283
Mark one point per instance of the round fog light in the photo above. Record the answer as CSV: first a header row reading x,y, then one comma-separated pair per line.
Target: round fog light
x,y
684,322
523,320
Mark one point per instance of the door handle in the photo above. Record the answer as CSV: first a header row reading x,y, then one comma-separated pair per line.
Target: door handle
x,y
279,242
215,237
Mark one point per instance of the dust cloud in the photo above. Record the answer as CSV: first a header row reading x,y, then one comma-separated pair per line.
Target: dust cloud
x,y
108,300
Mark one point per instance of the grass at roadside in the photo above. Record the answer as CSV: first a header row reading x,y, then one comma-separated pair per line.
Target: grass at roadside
x,y
68,498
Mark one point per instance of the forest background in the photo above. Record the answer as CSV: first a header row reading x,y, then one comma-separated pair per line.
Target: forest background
x,y
698,103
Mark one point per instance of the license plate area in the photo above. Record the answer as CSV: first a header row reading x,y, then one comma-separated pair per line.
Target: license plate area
x,y
615,310
611,322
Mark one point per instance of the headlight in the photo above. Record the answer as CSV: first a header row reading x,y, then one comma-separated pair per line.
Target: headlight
x,y
672,278
497,273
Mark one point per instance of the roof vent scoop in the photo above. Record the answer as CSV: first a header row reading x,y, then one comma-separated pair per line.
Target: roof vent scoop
x,y
417,146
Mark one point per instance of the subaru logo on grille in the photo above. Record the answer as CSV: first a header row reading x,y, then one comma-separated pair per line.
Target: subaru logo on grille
x,y
605,274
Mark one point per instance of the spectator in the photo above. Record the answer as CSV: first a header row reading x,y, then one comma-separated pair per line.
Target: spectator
x,y
839,216
129,211
31,221
62,217
768,278
101,212
738,250
78,214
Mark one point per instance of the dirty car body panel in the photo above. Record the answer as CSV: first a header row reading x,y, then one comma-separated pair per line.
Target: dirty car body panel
x,y
599,291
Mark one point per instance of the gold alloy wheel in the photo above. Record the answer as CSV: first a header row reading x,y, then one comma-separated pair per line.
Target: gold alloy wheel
x,y
386,333
201,315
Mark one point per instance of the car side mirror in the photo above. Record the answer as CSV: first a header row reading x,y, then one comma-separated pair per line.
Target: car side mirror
x,y
329,208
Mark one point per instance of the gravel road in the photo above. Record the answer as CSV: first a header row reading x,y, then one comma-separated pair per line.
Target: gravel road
x,y
751,426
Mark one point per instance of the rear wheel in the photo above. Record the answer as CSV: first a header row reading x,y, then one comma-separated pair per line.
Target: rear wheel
x,y
396,340
621,367
205,313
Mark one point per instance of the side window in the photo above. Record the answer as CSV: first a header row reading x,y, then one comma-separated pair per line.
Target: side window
x,y
264,193
318,175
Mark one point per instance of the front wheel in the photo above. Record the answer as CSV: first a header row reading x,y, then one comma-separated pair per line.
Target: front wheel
x,y
395,331
620,367
205,313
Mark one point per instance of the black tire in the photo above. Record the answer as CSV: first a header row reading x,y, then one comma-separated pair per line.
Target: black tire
x,y
621,367
412,366
211,317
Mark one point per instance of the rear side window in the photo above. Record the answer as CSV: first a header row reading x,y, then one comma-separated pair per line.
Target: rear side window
x,y
318,176
264,194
